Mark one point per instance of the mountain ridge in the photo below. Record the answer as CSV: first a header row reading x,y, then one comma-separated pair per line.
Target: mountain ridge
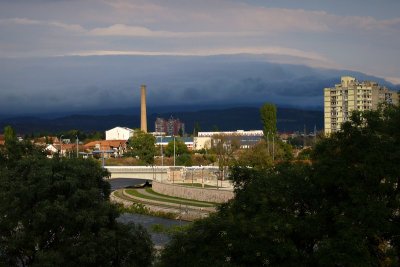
x,y
235,118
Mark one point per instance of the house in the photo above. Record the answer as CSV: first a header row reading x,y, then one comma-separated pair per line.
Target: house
x,y
119,133
50,150
114,148
45,140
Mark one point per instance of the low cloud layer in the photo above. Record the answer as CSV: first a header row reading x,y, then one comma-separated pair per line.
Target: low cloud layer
x,y
74,55
106,82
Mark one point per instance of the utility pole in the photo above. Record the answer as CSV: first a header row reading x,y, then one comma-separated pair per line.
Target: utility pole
x,y
77,147
162,155
61,145
304,138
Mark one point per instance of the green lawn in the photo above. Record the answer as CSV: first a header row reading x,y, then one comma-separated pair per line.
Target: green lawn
x,y
169,199
151,191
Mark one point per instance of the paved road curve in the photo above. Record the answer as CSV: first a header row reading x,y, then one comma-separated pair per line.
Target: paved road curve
x,y
119,183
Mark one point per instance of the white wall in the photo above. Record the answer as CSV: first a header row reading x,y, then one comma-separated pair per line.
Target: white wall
x,y
201,142
119,133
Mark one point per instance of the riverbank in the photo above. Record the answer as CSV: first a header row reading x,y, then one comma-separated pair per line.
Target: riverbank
x,y
159,239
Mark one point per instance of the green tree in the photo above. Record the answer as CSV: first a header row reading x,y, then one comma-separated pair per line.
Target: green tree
x,y
142,145
57,213
184,160
10,136
196,128
255,229
341,209
183,156
180,132
256,157
268,118
180,148
224,148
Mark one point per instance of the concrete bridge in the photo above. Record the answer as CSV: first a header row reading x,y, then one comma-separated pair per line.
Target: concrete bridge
x,y
137,172
162,173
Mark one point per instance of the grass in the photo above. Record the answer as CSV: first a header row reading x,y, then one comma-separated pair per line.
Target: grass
x,y
151,191
168,199
139,208
171,230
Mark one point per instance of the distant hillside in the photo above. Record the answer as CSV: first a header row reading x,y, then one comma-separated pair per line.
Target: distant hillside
x,y
244,118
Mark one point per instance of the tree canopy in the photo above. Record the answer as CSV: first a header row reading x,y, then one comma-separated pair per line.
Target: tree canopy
x,y
180,148
56,212
268,118
341,209
9,135
142,145
183,156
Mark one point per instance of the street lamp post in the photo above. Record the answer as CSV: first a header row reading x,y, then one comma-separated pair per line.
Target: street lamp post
x,y
162,155
273,147
61,145
77,147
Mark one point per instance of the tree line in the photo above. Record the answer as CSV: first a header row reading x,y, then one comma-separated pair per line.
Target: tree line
x,y
56,212
341,208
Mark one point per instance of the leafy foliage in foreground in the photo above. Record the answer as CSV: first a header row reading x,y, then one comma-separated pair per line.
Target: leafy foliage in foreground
x,y
139,208
340,210
55,212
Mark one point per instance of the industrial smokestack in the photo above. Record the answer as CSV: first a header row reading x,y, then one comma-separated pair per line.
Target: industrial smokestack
x,y
143,113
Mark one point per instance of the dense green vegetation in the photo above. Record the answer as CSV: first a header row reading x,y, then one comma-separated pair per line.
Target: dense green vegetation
x,y
56,212
141,145
340,209
182,154
139,208
268,118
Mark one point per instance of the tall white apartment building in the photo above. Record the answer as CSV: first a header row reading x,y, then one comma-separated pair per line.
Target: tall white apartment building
x,y
349,95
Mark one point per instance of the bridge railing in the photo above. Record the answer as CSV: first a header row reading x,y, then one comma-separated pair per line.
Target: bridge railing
x,y
166,173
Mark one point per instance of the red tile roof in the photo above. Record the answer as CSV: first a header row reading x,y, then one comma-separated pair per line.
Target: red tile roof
x,y
105,144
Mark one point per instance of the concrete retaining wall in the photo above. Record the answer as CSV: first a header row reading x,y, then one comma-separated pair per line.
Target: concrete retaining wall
x,y
202,194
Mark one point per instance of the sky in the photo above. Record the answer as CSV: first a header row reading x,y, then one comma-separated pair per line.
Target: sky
x,y
358,35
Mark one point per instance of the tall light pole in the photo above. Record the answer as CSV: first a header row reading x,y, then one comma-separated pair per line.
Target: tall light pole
x,y
273,147
77,147
162,155
61,145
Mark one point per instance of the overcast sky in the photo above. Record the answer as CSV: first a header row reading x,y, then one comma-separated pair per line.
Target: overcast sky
x,y
359,35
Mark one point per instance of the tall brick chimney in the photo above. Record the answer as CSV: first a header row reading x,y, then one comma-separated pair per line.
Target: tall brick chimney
x,y
143,113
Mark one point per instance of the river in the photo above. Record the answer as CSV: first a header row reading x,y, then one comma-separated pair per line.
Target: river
x,y
145,220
